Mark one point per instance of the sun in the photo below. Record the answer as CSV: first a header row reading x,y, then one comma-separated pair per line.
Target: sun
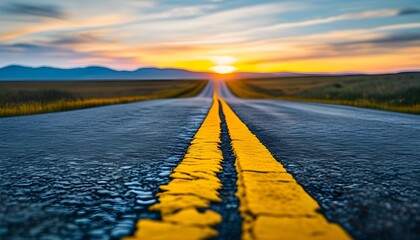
x,y
223,69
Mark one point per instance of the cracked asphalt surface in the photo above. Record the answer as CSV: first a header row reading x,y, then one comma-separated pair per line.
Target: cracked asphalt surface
x,y
361,165
90,174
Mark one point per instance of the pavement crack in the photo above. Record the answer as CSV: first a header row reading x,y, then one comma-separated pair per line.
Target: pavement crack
x,y
228,208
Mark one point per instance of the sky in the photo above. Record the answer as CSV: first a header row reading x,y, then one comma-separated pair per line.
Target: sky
x,y
213,35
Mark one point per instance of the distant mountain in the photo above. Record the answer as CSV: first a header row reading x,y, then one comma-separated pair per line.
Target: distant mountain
x,y
15,72
22,73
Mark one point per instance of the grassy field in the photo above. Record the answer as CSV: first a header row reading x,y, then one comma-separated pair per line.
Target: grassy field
x,y
392,92
23,98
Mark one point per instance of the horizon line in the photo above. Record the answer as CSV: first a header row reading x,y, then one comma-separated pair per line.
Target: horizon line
x,y
349,72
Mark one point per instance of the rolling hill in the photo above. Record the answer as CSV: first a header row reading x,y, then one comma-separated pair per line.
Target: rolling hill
x,y
23,73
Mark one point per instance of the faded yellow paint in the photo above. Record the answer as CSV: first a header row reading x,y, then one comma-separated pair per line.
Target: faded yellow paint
x,y
161,230
173,203
194,185
272,204
268,227
191,216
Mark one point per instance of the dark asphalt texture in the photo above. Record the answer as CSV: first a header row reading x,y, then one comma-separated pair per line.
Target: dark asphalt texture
x,y
90,174
361,165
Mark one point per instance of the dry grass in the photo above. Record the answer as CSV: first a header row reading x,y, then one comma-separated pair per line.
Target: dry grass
x,y
17,98
391,92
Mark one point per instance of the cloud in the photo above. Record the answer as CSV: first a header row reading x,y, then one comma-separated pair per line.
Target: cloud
x,y
388,41
397,27
90,23
408,11
27,48
48,11
62,56
343,17
215,22
179,12
79,38
72,40
357,34
382,44
185,33
270,31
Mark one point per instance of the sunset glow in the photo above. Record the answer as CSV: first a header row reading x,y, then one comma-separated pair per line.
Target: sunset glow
x,y
223,69
219,36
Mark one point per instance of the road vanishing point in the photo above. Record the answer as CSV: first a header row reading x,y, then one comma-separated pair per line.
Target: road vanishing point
x,y
211,167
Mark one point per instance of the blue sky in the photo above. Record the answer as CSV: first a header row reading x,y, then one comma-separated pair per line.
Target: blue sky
x,y
263,36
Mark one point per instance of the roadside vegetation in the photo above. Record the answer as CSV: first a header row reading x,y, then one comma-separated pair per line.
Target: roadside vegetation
x,y
23,98
391,92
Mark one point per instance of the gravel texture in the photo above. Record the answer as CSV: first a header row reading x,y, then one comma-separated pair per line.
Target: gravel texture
x,y
90,173
362,166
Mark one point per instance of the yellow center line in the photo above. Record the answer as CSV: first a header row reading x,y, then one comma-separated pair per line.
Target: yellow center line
x,y
194,185
272,204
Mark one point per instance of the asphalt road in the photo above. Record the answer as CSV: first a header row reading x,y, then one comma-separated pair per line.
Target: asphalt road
x,y
361,165
91,173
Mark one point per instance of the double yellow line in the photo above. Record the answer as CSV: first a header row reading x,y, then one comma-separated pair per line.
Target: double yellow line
x,y
272,204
